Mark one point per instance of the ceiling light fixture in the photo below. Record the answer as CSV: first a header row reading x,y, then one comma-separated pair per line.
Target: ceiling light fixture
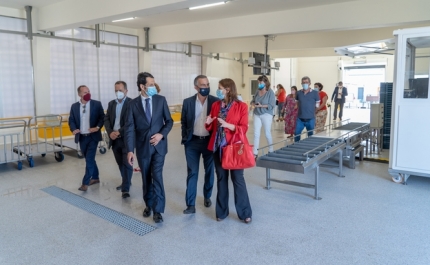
x,y
209,5
124,19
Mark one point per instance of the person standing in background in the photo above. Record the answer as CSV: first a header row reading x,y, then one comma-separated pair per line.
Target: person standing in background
x,y
290,112
281,94
321,111
85,121
308,101
339,94
263,104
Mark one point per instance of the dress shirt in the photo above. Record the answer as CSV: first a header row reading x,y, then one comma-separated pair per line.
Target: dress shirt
x,y
119,105
144,103
200,118
85,117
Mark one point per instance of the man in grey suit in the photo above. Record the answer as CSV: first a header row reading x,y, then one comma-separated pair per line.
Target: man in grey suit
x,y
339,94
114,123
148,123
195,138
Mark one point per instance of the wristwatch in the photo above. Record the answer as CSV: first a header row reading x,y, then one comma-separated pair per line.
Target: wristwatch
x,y
98,128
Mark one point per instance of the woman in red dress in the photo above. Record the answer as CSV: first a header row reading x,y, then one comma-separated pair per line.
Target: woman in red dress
x,y
290,112
321,112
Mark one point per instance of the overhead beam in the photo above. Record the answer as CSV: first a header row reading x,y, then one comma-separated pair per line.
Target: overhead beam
x,y
342,16
76,13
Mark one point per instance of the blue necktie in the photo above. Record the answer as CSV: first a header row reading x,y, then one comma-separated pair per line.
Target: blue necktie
x,y
147,110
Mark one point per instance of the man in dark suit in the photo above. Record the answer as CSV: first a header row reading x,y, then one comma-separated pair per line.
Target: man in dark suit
x,y
114,124
195,138
149,120
85,121
339,94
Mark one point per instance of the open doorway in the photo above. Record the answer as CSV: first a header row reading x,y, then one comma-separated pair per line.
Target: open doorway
x,y
363,84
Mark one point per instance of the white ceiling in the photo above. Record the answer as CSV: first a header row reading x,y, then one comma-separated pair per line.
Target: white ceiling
x,y
22,3
234,8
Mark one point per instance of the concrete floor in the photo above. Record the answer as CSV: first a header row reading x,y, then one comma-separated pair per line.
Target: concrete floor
x,y
364,218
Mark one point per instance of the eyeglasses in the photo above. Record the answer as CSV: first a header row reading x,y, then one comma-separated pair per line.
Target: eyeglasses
x,y
84,108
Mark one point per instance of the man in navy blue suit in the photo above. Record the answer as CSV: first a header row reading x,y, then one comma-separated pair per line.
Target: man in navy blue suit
x,y
85,121
147,124
195,138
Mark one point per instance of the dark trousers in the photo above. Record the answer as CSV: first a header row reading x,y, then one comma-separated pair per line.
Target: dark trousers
x,y
241,199
151,166
193,150
89,148
337,103
120,153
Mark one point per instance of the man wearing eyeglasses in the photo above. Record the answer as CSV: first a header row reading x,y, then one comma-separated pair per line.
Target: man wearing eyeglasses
x,y
85,121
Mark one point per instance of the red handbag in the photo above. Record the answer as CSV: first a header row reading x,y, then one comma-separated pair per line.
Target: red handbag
x,y
238,155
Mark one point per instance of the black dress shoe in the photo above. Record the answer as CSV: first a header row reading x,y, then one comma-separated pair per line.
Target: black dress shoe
x,y
157,218
147,212
125,195
190,209
208,202
119,187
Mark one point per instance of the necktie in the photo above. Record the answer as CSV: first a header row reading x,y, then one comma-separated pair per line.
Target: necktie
x,y
147,110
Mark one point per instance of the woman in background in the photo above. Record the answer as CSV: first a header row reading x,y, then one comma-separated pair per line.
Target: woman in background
x,y
281,94
290,111
228,116
321,111
263,104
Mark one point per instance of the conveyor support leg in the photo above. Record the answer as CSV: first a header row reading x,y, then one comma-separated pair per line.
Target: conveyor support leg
x,y
267,179
317,171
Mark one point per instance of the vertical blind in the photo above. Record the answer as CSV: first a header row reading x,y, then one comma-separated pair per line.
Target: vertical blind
x,y
81,63
16,72
175,72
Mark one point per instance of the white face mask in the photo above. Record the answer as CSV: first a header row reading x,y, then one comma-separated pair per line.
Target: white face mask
x,y
120,95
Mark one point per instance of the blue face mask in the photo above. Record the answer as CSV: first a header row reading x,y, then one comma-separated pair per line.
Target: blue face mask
x,y
151,91
204,91
305,86
219,94
261,86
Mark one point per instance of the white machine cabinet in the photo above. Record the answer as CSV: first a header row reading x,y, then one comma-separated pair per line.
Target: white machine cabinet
x,y
410,123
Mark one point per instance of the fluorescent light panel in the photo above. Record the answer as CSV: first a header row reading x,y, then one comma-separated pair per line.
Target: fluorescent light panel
x,y
124,19
209,5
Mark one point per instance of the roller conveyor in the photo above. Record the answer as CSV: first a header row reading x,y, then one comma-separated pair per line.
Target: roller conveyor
x,y
302,157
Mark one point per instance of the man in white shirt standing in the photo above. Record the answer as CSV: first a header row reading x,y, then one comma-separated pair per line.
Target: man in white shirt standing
x,y
195,139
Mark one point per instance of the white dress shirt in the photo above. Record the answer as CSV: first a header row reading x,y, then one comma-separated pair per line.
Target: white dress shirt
x,y
85,117
144,103
200,118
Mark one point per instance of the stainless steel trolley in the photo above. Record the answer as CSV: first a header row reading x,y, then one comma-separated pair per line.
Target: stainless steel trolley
x,y
42,134
12,133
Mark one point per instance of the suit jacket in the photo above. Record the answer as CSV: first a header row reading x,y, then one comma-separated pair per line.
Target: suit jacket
x,y
97,115
110,118
189,114
344,94
237,115
136,125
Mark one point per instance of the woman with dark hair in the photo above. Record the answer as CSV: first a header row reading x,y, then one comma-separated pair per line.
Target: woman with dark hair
x,y
280,96
321,111
290,111
228,116
263,103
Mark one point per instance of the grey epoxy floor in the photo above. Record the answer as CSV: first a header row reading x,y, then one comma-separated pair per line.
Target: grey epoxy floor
x,y
364,218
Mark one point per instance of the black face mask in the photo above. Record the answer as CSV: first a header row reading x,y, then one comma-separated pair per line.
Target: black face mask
x,y
204,91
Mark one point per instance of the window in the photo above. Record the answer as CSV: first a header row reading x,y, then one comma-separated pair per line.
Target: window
x,y
417,68
81,63
175,72
16,72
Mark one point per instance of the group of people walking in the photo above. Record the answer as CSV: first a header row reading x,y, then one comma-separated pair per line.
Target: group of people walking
x,y
139,128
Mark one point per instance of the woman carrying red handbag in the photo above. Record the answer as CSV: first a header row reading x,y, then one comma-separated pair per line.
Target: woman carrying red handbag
x,y
228,116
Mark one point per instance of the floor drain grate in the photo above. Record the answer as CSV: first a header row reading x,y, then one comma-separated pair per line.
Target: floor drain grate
x,y
120,219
